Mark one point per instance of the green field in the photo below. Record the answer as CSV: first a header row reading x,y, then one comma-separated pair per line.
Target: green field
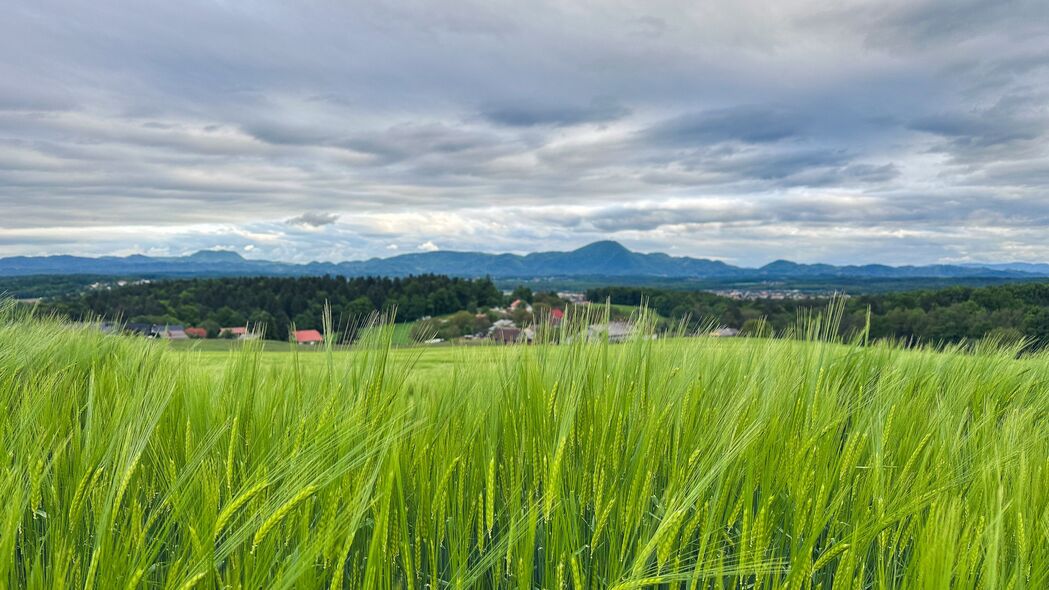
x,y
423,360
676,463
401,336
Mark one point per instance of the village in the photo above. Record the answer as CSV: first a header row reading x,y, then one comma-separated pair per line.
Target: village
x,y
519,322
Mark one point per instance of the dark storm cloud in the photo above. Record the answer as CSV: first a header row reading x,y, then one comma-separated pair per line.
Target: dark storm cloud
x,y
899,131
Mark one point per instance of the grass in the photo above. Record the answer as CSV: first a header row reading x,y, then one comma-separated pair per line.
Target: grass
x,y
791,463
425,361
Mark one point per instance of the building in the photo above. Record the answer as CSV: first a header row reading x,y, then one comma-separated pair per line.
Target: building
x,y
165,331
308,337
505,335
614,331
196,332
573,297
139,329
172,332
556,316
724,333
239,332
520,304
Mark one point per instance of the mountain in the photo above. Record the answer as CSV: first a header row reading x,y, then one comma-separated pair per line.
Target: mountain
x,y
599,259
1039,268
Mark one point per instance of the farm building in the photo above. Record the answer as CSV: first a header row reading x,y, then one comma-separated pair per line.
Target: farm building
x,y
505,335
614,331
308,337
172,332
139,329
240,333
725,333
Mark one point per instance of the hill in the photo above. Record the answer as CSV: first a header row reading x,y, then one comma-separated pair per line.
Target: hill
x,y
599,260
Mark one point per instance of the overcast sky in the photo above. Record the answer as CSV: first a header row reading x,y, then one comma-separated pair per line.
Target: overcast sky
x,y
836,131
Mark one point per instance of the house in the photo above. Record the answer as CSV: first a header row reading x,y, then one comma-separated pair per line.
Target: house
x,y
165,331
139,329
724,333
239,332
505,335
614,331
308,337
573,297
196,333
520,304
173,332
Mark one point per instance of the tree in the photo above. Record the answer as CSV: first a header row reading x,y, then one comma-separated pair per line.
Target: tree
x,y
229,317
521,317
359,309
1005,335
523,293
423,330
756,328
261,321
463,323
1037,326
213,328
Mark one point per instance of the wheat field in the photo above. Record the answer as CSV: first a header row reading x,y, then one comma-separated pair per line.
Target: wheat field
x,y
673,463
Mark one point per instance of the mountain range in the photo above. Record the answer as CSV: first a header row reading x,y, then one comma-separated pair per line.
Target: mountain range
x,y
599,259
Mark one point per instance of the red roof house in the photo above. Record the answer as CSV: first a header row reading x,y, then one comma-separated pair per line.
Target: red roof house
x,y
196,332
309,337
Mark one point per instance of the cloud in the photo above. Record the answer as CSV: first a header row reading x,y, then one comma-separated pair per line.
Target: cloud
x,y
888,131
558,115
427,246
747,124
313,219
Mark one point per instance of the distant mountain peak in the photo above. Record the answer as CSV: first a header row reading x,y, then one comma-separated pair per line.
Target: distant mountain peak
x,y
216,256
603,247
780,264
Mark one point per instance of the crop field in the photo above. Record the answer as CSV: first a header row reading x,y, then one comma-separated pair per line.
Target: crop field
x,y
678,463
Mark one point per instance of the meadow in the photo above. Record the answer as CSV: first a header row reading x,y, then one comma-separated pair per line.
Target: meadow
x,y
800,462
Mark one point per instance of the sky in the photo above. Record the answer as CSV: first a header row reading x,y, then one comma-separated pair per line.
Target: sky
x,y
855,131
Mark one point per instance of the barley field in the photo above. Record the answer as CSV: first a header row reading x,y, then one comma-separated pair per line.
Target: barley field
x,y
673,463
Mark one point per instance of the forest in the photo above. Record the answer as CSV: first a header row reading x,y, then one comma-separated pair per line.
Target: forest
x,y
1008,312
276,304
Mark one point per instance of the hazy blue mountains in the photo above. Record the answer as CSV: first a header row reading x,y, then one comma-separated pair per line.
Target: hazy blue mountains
x,y
600,259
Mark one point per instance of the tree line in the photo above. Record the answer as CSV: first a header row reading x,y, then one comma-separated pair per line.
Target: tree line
x,y
278,303
1008,312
